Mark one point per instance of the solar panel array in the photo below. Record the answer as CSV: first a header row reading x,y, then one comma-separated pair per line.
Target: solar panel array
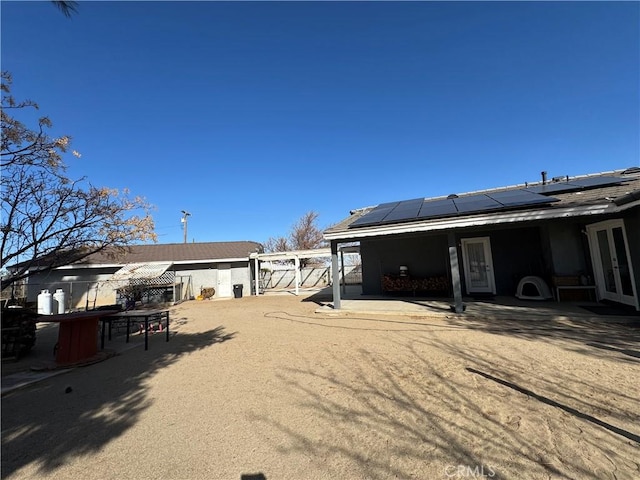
x,y
420,208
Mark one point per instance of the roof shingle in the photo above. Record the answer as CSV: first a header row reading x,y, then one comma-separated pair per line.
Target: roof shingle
x,y
176,252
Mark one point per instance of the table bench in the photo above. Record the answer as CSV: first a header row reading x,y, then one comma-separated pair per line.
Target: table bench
x,y
589,288
147,316
575,283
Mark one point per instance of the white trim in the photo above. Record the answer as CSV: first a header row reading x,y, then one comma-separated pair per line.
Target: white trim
x,y
292,254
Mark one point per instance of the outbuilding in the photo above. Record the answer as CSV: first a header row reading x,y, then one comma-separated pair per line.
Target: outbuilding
x,y
155,273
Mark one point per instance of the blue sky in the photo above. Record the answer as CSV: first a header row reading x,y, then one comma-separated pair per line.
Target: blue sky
x,y
250,114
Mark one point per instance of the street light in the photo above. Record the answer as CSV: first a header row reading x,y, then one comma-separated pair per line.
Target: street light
x,y
185,214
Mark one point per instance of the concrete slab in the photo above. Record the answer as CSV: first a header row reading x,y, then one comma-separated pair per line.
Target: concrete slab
x,y
352,301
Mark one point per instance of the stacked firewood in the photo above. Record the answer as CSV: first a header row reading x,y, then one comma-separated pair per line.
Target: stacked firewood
x,y
396,283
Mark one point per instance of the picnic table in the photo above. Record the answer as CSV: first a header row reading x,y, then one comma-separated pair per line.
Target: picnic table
x,y
134,316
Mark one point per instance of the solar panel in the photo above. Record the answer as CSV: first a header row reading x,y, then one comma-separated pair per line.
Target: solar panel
x,y
437,208
575,185
597,181
520,198
560,187
421,209
376,215
476,203
405,210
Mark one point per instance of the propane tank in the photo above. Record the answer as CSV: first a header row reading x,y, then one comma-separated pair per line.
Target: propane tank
x,y
59,301
44,303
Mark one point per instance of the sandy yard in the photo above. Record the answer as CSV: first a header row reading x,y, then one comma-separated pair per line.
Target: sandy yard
x,y
256,388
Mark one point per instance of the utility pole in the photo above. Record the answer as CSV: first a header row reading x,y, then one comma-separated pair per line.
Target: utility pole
x,y
185,214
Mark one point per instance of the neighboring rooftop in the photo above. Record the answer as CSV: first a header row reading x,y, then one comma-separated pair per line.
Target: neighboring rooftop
x,y
175,252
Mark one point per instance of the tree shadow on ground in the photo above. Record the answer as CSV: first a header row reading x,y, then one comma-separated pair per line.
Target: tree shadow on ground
x,y
573,333
414,414
56,420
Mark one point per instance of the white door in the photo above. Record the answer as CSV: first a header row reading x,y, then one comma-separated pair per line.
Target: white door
x,y
224,280
610,257
478,265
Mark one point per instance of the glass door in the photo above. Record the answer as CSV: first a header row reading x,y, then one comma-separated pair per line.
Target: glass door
x,y
478,265
610,256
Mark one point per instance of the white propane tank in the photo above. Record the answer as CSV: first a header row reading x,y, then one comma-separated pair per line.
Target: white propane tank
x,y
59,301
44,303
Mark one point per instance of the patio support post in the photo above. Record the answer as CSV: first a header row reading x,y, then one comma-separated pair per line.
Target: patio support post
x,y
257,274
344,283
335,275
455,273
297,264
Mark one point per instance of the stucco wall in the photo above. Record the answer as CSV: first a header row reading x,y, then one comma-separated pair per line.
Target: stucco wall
x,y
91,286
79,286
206,276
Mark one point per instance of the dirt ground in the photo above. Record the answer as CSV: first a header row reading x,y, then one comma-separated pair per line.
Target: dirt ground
x,y
266,388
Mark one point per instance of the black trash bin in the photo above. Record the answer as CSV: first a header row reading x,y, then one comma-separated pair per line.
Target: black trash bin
x,y
237,290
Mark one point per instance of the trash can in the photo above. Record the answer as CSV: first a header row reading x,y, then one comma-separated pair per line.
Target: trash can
x,y
237,290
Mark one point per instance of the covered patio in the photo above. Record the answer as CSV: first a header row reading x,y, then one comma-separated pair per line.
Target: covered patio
x,y
499,307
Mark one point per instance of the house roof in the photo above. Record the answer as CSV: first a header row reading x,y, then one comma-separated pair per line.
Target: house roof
x,y
175,253
589,201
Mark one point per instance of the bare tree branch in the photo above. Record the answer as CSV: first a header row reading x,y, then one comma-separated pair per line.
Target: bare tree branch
x,y
47,219
66,7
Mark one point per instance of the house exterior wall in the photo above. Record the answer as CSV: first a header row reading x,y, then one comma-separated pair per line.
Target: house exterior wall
x,y
206,276
79,285
425,256
516,252
91,287
569,248
241,274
